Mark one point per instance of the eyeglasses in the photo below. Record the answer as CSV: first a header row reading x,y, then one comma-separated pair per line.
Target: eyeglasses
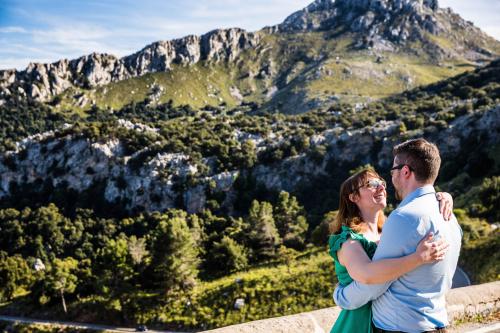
x,y
374,184
401,166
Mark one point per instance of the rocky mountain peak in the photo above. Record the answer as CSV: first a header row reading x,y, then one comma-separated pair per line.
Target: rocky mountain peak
x,y
44,81
391,20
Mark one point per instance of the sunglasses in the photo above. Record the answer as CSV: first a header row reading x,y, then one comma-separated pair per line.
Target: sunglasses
x,y
401,166
374,184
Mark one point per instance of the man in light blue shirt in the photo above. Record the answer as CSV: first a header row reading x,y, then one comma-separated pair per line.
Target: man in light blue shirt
x,y
415,302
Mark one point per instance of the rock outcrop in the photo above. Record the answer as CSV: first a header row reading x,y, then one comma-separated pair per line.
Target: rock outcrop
x,y
385,24
160,182
373,16
44,81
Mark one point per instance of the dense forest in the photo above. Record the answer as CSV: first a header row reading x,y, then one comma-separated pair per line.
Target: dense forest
x,y
70,253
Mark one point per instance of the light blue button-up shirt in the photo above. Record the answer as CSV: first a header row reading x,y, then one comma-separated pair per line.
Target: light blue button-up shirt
x,y
415,302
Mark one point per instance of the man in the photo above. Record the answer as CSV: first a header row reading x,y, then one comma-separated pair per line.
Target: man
x,y
415,302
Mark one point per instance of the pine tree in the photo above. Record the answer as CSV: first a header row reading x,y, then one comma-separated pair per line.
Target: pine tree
x,y
230,255
116,266
175,256
14,274
320,234
290,221
238,230
287,256
263,234
61,279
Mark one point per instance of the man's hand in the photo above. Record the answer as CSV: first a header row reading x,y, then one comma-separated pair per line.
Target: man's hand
x,y
430,250
445,204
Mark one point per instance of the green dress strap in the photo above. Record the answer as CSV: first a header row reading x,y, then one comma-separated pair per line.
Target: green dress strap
x,y
360,319
336,240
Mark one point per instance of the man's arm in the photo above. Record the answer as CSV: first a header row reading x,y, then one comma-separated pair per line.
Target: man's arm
x,y
398,234
356,294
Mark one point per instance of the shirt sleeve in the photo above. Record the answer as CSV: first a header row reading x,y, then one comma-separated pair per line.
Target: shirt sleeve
x,y
398,237
356,294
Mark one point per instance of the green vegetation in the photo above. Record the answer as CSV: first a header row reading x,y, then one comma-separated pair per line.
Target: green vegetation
x,y
94,260
155,267
481,241
36,328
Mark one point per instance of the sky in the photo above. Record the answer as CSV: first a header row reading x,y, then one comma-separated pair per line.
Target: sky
x,y
49,30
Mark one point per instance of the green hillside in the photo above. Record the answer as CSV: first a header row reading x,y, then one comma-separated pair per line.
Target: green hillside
x,y
291,73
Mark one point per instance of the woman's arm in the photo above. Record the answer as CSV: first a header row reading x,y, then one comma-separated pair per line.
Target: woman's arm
x,y
362,269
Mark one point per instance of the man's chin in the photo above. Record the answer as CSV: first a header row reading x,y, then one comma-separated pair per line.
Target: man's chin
x,y
398,195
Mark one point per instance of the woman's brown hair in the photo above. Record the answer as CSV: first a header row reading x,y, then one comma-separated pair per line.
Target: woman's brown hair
x,y
349,214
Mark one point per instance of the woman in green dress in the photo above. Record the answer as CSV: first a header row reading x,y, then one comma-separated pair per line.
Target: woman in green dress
x,y
355,234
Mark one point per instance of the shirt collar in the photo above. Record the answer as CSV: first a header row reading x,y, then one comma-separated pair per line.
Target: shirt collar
x,y
426,189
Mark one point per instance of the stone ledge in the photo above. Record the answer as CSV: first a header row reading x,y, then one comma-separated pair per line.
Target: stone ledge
x,y
463,302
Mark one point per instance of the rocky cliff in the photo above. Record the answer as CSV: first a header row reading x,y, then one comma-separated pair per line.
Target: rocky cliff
x,y
44,81
387,24
78,163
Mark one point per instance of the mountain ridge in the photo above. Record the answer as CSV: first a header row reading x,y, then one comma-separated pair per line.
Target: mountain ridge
x,y
413,28
101,68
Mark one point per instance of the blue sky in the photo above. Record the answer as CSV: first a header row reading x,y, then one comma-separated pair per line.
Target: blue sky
x,y
49,30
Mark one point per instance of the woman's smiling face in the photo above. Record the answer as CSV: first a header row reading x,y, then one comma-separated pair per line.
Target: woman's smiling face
x,y
372,194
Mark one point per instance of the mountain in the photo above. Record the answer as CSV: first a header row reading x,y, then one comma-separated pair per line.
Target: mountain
x,y
387,25
190,161
331,51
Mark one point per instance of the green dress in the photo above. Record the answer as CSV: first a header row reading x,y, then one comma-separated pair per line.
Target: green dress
x,y
360,319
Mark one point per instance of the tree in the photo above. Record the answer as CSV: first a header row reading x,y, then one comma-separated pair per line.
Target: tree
x,y
402,128
61,279
14,274
116,265
12,235
48,223
489,194
238,230
230,255
319,236
174,256
137,249
247,156
263,234
287,256
290,221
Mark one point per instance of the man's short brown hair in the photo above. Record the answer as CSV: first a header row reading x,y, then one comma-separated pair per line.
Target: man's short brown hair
x,y
421,156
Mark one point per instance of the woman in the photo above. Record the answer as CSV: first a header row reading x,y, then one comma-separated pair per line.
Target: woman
x,y
354,239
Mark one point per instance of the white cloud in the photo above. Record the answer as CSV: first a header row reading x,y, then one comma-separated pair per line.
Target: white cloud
x,y
20,63
254,15
9,30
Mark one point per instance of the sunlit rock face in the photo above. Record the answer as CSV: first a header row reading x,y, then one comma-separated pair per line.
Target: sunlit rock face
x,y
42,82
162,181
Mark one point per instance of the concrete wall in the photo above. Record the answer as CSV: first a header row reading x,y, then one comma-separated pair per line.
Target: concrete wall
x,y
461,303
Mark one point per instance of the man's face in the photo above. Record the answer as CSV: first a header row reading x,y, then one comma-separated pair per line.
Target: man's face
x,y
396,179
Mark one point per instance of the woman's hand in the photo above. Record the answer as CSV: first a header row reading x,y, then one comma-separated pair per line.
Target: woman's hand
x,y
445,204
429,250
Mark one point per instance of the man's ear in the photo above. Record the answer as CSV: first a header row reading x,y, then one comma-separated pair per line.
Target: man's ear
x,y
407,173
354,197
